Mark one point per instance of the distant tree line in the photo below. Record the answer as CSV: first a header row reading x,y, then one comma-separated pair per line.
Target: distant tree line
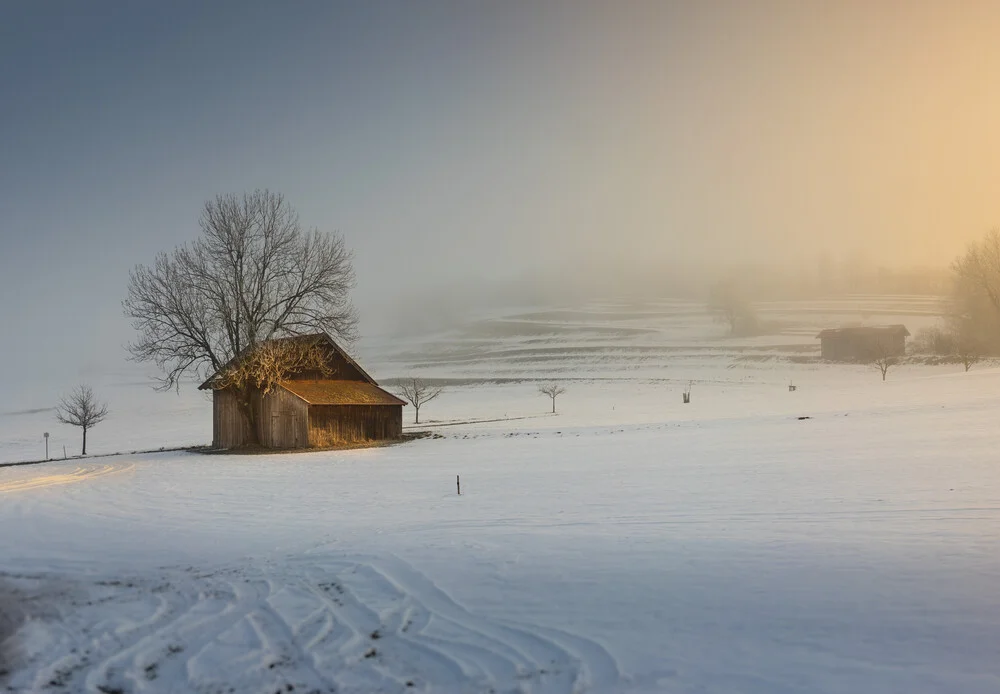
x,y
970,331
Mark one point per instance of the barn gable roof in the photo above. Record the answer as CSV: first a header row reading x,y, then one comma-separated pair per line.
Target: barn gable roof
x,y
328,392
864,331
321,338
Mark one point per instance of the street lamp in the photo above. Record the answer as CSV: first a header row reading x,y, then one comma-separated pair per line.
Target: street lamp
x,y
46,435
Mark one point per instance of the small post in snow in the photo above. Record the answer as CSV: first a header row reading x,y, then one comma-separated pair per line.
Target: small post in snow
x,y
458,484
46,435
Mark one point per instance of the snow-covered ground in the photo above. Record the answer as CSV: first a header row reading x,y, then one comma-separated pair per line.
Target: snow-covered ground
x,y
619,342
839,538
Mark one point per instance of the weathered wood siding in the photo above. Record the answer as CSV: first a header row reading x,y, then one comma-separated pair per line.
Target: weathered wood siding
x,y
343,370
332,424
286,421
229,428
283,421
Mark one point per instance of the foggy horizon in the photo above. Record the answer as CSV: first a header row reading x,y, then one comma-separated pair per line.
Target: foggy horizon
x,y
561,150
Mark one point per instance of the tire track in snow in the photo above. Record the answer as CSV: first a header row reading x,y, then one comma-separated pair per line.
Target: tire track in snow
x,y
364,621
563,661
317,623
80,474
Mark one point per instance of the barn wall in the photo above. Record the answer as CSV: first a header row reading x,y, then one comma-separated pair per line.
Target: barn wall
x,y
861,347
893,345
283,421
229,428
332,424
286,421
832,348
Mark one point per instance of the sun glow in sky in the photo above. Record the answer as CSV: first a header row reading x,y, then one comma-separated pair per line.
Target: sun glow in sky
x,y
453,143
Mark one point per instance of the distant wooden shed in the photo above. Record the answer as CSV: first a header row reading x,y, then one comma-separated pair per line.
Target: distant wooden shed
x,y
305,411
863,343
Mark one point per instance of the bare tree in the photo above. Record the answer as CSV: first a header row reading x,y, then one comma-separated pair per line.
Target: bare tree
x,y
980,268
416,392
731,307
970,333
969,350
553,391
881,358
975,301
253,275
961,341
81,409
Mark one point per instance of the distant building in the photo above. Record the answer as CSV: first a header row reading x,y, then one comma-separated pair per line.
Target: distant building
x,y
863,343
305,411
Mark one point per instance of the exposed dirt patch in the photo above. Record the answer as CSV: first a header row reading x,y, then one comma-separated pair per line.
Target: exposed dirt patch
x,y
345,446
415,435
11,617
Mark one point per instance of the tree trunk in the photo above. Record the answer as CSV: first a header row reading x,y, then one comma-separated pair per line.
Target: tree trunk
x,y
84,441
244,400
553,405
416,419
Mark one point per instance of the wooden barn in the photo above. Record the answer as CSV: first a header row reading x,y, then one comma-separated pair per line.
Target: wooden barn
x,y
305,411
863,343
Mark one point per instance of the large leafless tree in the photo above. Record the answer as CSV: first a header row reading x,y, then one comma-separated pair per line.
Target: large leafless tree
x,y
81,409
974,311
553,390
417,392
979,269
253,275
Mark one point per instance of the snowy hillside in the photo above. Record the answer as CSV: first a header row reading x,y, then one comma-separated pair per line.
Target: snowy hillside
x,y
839,538
655,339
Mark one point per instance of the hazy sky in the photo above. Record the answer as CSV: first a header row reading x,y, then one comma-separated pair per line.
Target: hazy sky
x,y
456,141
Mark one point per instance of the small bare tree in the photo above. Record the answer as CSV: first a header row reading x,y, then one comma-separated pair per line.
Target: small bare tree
x,y
881,358
553,391
969,351
264,366
416,392
81,409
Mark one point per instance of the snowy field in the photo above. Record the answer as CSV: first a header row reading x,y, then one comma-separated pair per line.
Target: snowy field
x,y
667,342
840,538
